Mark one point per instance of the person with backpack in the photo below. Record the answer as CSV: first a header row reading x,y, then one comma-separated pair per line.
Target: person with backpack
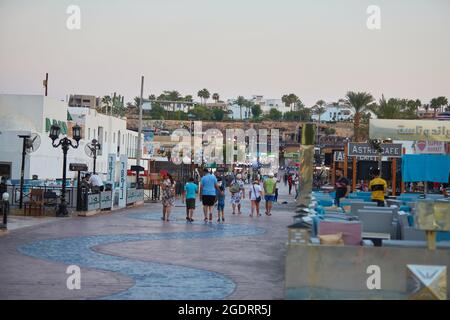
x,y
237,193
255,194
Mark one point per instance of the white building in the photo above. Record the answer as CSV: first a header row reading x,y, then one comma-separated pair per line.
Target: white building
x,y
35,114
334,113
265,104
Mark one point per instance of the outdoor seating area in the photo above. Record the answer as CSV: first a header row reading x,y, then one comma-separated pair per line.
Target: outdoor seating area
x,y
358,218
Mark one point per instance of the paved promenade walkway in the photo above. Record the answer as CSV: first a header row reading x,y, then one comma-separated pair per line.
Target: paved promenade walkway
x,y
132,254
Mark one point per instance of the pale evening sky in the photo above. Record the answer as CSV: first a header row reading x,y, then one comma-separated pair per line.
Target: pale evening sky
x,y
318,49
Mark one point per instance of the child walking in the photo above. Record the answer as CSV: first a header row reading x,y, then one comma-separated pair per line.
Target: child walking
x,y
221,200
191,190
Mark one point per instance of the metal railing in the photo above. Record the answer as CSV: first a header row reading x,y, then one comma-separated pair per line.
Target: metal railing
x,y
14,194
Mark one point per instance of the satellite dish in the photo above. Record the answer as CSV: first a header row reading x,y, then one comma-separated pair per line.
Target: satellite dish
x,y
32,143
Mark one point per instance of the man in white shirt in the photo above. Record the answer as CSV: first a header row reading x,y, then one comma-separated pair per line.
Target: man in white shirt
x,y
96,183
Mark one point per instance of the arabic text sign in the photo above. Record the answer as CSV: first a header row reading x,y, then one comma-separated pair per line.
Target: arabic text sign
x,y
393,150
412,130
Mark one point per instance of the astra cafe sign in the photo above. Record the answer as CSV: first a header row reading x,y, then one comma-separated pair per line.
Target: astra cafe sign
x,y
339,156
392,150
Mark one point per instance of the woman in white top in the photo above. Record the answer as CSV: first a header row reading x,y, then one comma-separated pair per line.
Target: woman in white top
x,y
255,194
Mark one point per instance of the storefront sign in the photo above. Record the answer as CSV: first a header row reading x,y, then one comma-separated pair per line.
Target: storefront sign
x,y
412,130
135,195
393,150
93,202
339,156
111,175
332,141
123,181
430,147
106,200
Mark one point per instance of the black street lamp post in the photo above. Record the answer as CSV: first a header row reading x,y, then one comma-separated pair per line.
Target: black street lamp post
x,y
65,144
22,168
95,147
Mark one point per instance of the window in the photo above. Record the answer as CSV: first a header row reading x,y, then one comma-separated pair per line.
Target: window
x,y
114,137
89,133
106,136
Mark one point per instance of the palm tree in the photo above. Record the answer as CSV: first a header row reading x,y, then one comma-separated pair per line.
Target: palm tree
x,y
442,102
434,104
106,101
319,109
285,100
204,95
386,109
293,99
216,97
360,102
241,101
248,105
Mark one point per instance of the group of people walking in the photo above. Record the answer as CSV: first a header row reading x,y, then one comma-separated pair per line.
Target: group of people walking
x,y
211,191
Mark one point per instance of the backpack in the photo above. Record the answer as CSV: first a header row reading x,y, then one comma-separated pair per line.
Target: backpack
x,y
235,187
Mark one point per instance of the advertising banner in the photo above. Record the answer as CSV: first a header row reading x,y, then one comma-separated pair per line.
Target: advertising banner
x,y
111,173
410,130
148,144
430,147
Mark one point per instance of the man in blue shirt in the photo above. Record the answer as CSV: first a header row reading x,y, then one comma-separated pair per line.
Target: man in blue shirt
x,y
208,187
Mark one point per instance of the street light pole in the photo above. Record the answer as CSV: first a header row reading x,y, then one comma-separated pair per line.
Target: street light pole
x,y
95,146
65,144
139,147
22,168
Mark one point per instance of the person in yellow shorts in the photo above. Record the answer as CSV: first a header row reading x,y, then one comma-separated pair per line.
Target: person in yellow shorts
x,y
378,188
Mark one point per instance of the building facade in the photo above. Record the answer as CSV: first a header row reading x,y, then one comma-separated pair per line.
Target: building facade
x,y
334,113
25,114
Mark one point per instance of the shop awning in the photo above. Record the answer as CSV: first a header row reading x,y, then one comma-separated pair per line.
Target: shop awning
x,y
425,167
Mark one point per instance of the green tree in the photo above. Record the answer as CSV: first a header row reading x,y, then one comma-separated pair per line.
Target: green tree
x,y
204,95
293,100
218,114
106,103
240,101
290,100
319,109
329,131
256,111
360,102
157,112
275,114
438,103
201,112
248,105
216,97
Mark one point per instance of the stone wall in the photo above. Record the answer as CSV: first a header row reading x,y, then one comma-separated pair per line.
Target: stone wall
x,y
340,272
342,129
